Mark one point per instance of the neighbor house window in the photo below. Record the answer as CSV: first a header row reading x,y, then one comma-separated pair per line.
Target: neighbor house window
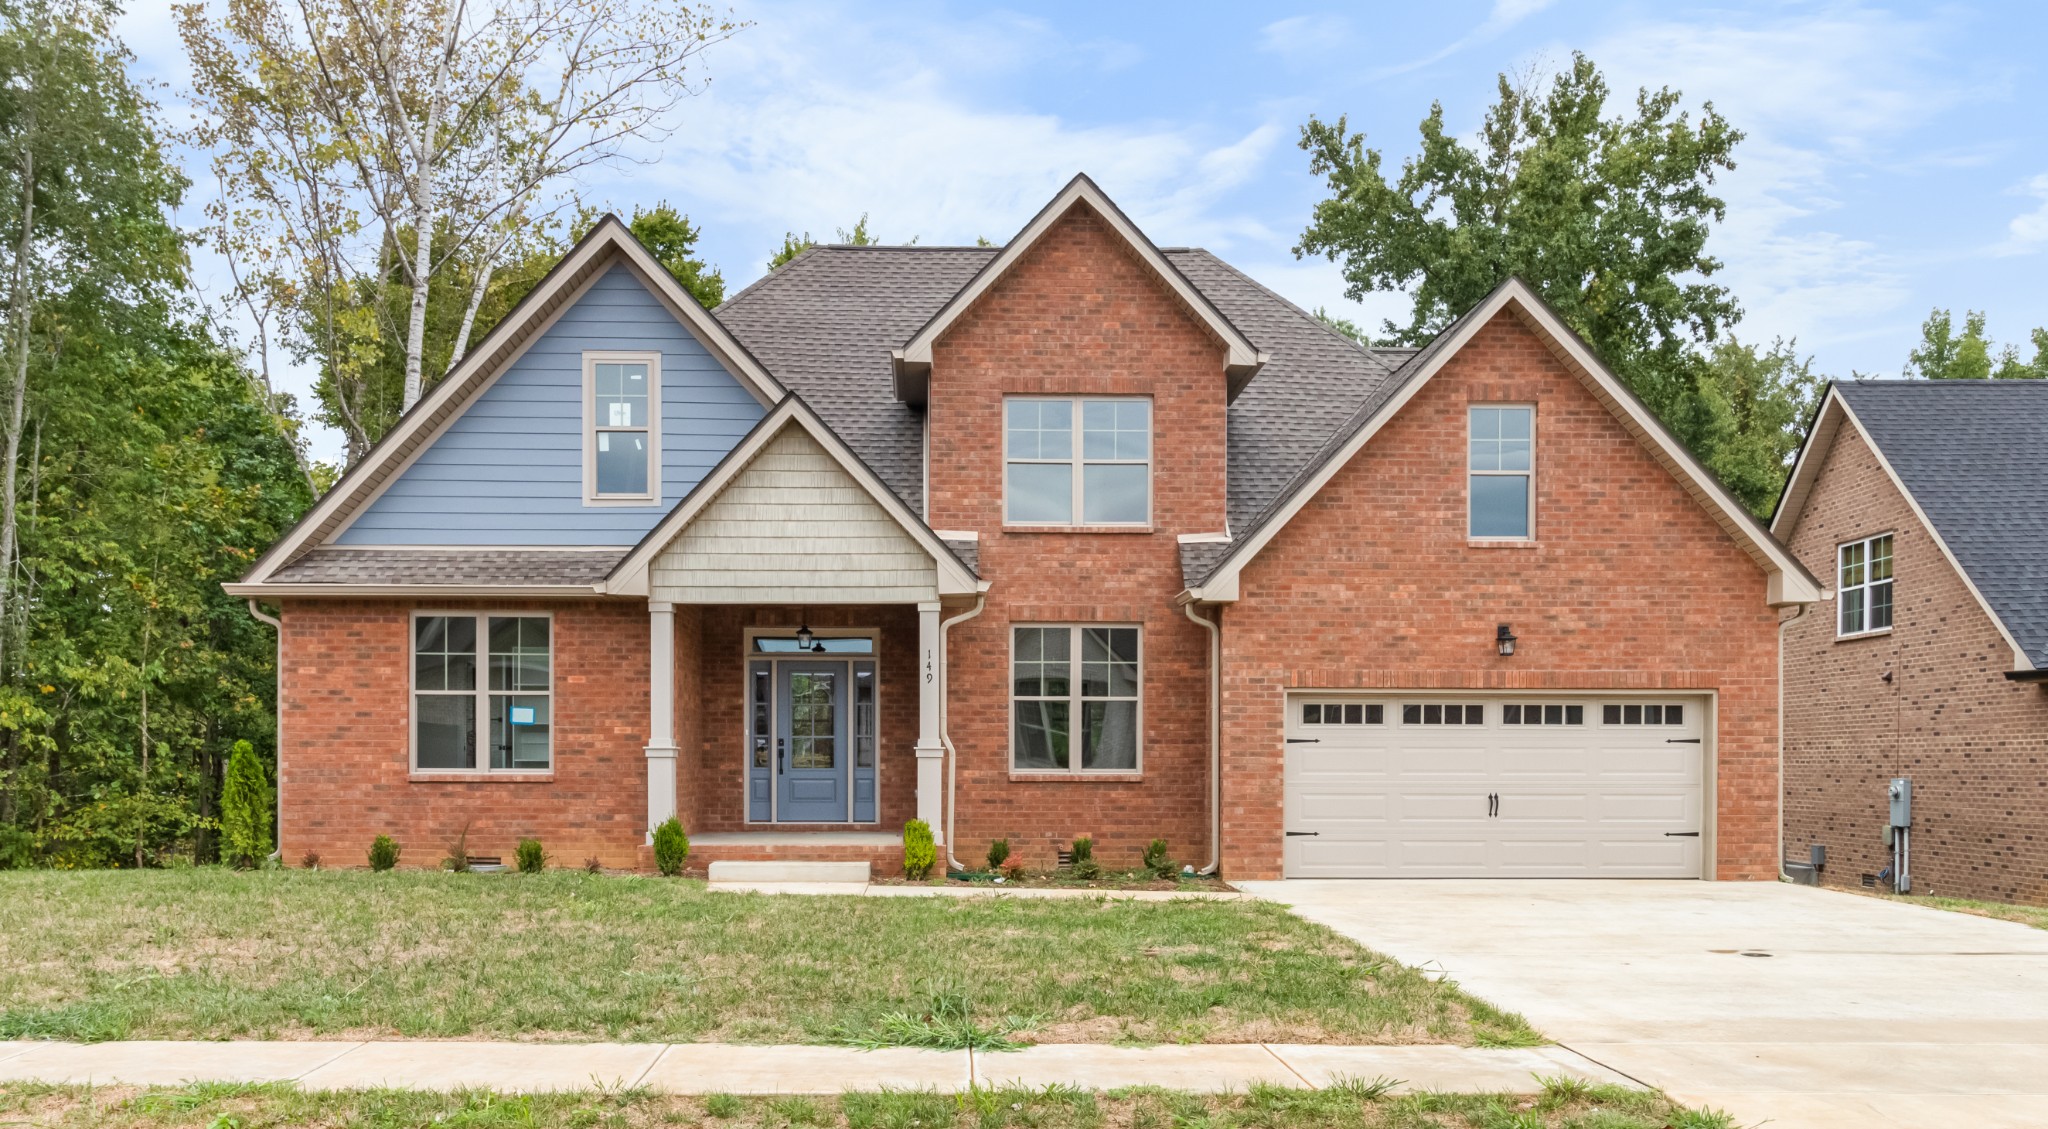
x,y
1865,591
1499,485
1077,462
1074,685
622,407
510,703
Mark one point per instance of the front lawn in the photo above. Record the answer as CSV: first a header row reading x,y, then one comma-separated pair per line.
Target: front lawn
x,y
1263,1107
215,954
2036,916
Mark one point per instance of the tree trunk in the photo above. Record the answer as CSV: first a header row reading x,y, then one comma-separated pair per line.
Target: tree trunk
x,y
476,299
425,183
19,401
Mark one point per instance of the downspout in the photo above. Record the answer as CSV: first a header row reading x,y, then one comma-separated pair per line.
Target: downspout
x,y
952,754
1798,614
277,825
1215,738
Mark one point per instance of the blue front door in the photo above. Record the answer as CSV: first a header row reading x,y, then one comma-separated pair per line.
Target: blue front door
x,y
812,748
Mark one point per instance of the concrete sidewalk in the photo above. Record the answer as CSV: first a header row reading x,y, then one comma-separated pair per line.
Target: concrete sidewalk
x,y
732,1068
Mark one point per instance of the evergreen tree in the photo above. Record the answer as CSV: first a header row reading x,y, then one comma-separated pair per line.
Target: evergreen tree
x,y
245,809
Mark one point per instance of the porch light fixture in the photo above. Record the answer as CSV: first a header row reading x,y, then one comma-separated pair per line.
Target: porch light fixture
x,y
803,637
1504,638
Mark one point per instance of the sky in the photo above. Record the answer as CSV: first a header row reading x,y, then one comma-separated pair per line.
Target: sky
x,y
1896,156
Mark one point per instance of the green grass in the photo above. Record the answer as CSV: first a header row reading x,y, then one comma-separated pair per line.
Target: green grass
x,y
2036,916
1263,1107
215,954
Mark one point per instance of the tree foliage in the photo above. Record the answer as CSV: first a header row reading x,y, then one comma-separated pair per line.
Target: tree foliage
x,y
856,236
1944,354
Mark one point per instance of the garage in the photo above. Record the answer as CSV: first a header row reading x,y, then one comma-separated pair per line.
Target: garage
x,y
1530,786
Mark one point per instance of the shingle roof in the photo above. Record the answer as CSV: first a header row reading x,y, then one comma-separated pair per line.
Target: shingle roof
x,y
540,567
825,322
1970,453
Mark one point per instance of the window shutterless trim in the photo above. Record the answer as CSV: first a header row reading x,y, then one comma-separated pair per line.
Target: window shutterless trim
x,y
1079,460
1074,700
1861,592
481,693
1529,476
591,359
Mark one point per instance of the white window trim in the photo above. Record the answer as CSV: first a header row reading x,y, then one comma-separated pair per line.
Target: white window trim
x,y
1529,474
1074,700
1861,592
1080,460
482,692
591,359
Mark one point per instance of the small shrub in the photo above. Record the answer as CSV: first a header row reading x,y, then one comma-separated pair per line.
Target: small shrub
x,y
457,858
310,860
593,865
244,809
998,852
723,1106
1014,872
671,847
920,851
1160,863
1085,866
532,860
383,853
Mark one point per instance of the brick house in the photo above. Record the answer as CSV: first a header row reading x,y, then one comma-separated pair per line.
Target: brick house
x,y
1071,536
1927,657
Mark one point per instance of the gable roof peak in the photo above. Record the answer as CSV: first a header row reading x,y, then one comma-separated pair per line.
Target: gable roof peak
x,y
913,361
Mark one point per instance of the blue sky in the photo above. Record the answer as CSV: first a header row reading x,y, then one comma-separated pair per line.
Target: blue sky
x,y
1897,156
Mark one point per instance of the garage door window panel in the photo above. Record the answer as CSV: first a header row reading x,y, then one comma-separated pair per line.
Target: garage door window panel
x,y
1437,713
1062,675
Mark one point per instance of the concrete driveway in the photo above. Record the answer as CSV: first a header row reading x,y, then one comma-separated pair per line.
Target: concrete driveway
x,y
1797,1007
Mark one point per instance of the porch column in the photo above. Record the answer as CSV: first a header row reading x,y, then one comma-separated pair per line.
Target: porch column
x,y
661,714
931,755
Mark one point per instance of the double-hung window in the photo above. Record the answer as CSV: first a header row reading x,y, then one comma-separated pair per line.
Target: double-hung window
x,y
1074,681
1501,476
1077,462
622,432
1865,590
482,674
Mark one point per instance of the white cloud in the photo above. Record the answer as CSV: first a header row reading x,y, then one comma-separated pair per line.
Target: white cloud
x,y
2028,231
1505,14
1305,36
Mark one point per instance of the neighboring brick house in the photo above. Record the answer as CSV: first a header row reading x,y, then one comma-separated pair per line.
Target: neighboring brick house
x,y
1927,658
1072,536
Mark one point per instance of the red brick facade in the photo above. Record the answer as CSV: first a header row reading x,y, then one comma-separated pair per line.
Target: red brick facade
x,y
1970,740
1629,585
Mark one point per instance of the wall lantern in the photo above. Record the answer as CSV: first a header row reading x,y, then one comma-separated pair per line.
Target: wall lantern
x,y
803,637
1504,638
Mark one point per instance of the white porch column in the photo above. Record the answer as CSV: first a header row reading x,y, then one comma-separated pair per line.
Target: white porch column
x,y
661,714
931,754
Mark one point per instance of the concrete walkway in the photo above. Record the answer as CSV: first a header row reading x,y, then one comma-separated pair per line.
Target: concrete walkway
x,y
1803,1008
731,1068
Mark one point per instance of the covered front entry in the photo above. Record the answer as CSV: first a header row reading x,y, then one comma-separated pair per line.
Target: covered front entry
x,y
810,744
1493,785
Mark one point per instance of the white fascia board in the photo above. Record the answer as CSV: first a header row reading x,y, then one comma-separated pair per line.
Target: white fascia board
x,y
630,577
2020,661
1789,582
256,591
1242,356
1813,454
405,440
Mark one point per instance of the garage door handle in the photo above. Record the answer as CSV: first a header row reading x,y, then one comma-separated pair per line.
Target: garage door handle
x,y
1292,834
1681,834
1682,741
1304,740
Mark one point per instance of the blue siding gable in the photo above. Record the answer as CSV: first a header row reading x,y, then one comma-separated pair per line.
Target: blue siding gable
x,y
509,469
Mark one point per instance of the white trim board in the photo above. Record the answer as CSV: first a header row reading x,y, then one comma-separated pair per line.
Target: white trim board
x,y
1820,443
1789,582
914,360
608,243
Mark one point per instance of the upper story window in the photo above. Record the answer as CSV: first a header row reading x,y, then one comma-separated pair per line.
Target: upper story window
x,y
1865,590
512,703
1077,462
622,433
1500,483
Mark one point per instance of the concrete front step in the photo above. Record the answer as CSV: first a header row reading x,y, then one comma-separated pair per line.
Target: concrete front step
x,y
788,870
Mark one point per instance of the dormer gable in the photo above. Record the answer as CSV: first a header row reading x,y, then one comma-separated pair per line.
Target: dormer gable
x,y
913,361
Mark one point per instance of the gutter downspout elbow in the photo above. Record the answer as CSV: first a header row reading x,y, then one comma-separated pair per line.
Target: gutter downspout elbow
x,y
1215,738
945,739
277,821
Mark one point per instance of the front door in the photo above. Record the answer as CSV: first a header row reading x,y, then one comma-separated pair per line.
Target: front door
x,y
810,781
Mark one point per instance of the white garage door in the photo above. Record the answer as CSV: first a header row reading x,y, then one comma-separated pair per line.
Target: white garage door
x,y
1528,786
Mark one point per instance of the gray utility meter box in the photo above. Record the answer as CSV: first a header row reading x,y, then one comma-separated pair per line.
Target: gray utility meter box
x,y
1901,794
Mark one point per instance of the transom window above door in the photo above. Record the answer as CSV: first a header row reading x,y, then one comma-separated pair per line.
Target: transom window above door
x,y
622,428
1077,462
1501,466
1865,591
